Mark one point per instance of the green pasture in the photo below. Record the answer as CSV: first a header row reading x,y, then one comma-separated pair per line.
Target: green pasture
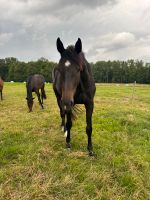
x,y
35,165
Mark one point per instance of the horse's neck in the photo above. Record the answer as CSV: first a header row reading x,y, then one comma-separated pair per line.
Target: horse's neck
x,y
86,76
86,85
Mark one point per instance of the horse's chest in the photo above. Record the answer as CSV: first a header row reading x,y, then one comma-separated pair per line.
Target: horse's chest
x,y
80,96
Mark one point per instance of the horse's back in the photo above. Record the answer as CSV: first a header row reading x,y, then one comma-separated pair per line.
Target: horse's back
x,y
36,81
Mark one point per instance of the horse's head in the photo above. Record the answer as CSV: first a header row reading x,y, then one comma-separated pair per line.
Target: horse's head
x,y
29,103
69,67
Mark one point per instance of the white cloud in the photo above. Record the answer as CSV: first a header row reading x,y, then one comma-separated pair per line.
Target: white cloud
x,y
110,29
4,38
122,40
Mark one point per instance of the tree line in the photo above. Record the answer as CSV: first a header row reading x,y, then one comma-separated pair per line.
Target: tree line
x,y
11,69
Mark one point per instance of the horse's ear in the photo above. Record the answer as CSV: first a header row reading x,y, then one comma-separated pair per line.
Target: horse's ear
x,y
60,46
78,46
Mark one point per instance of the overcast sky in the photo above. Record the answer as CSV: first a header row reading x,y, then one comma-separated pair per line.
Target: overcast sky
x,y
109,29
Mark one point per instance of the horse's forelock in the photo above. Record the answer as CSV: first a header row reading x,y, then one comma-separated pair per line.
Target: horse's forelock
x,y
71,54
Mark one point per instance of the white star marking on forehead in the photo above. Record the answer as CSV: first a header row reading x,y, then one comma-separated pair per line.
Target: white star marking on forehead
x,y
67,63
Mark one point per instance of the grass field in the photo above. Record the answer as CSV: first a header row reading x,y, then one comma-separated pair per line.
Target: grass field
x,y
34,163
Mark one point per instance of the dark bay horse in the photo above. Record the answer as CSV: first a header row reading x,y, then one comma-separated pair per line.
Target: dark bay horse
x,y
34,84
1,87
74,84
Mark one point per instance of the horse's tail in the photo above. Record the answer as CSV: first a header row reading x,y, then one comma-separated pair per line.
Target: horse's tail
x,y
43,94
77,109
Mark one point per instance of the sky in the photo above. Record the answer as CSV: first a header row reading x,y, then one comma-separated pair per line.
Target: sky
x,y
109,29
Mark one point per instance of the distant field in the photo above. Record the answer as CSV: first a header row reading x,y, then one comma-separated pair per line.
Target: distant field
x,y
34,163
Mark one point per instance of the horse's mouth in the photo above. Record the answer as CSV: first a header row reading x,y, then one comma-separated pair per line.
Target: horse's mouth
x,y
68,108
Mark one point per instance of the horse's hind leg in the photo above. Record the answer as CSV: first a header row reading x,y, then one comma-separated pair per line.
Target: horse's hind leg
x,y
39,99
43,94
68,129
89,111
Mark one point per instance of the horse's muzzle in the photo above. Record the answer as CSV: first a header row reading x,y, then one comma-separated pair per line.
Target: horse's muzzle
x,y
67,105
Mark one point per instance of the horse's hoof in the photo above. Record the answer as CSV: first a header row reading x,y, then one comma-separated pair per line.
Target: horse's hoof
x,y
92,154
68,145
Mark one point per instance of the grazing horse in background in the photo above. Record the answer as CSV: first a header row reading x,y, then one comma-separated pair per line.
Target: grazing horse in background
x,y
74,84
34,84
1,87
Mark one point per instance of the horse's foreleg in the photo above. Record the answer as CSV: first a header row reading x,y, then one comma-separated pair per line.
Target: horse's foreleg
x,y
89,111
39,99
68,129
62,114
